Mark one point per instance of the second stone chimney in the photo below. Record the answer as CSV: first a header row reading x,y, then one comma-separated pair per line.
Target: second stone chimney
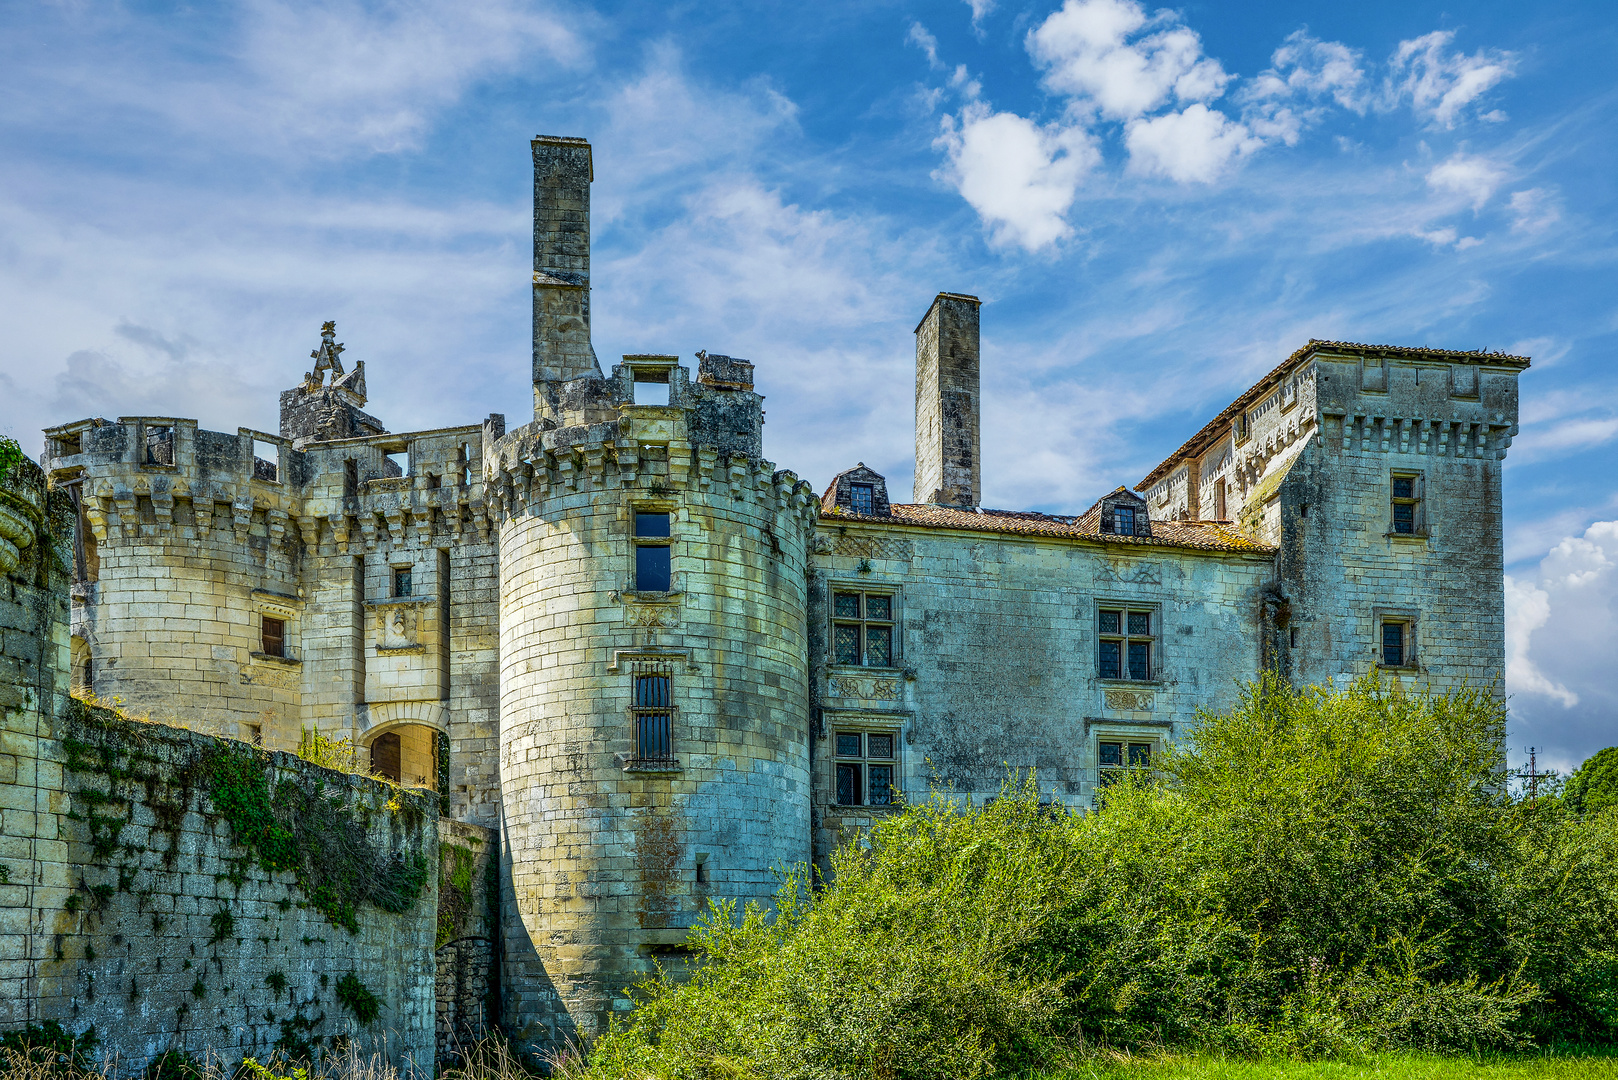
x,y
562,350
948,470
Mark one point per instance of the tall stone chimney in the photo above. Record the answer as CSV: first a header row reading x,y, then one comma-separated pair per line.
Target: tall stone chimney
x,y
562,349
948,471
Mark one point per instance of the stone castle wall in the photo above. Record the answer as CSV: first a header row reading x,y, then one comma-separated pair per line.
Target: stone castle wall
x,y
181,892
996,667
613,857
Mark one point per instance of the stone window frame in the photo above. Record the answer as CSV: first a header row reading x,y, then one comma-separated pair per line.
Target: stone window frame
x,y
650,666
1410,619
288,609
642,505
844,585
866,725
1155,659
406,568
143,447
1126,737
1418,500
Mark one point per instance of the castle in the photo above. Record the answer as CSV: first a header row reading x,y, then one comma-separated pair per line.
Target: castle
x,y
660,667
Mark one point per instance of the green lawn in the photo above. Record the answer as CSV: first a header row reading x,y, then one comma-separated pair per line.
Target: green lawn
x,y
1586,1065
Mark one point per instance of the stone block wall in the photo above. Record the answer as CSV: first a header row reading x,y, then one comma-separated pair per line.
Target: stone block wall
x,y
178,891
995,669
949,465
468,936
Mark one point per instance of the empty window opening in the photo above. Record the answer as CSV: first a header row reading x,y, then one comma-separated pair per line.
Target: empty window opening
x,y
653,712
465,477
651,388
401,581
865,768
351,479
255,734
1303,509
1395,644
862,498
397,464
1406,504
159,444
702,868
266,461
653,562
1128,641
273,636
862,628
1294,637
385,756
1114,759
67,445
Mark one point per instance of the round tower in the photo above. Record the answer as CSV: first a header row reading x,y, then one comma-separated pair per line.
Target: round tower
x,y
654,735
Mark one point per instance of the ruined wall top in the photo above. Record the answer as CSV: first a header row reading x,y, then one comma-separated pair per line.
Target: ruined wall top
x,y
316,411
563,353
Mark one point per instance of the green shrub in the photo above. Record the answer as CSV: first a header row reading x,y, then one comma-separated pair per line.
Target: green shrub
x,y
1309,874
1594,787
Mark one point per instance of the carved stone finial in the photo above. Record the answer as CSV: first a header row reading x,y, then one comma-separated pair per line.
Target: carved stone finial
x,y
327,358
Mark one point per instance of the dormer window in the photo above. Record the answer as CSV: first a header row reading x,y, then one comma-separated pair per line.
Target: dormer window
x,y
1123,520
862,498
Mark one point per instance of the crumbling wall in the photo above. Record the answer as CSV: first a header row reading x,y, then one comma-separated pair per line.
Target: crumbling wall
x,y
468,928
182,892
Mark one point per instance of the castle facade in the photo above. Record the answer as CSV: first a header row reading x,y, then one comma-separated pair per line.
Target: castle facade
x,y
662,668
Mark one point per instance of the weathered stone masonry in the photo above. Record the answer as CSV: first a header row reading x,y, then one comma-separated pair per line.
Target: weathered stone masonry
x,y
645,667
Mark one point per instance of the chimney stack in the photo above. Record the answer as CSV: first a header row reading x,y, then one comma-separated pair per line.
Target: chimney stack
x,y
562,350
948,471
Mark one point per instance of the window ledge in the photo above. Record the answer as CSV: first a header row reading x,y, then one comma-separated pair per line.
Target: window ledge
x,y
400,650
651,597
1400,669
284,661
1129,684
1409,538
862,669
653,765
862,808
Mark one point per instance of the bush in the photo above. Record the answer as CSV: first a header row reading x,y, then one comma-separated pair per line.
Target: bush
x,y
1595,786
1308,874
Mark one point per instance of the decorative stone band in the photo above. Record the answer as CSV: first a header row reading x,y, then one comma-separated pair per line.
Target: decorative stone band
x,y
1459,438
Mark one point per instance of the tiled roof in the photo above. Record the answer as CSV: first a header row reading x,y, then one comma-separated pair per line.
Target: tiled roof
x,y
1258,389
1201,535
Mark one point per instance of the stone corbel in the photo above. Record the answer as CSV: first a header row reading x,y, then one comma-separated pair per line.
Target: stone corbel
x,y
367,523
707,458
339,531
595,460
241,512
128,521
276,521
395,519
309,530
566,474
738,476
628,459
679,463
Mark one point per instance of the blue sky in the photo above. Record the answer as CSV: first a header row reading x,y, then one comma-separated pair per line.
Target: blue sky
x,y
1156,205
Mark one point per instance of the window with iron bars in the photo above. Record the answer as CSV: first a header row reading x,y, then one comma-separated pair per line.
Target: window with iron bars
x,y
653,710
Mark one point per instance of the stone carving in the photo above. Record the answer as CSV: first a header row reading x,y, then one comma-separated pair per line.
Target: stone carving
x,y
398,627
327,358
1129,700
875,689
652,615
874,547
884,690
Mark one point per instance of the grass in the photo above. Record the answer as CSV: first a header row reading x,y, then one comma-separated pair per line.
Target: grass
x,y
1582,1064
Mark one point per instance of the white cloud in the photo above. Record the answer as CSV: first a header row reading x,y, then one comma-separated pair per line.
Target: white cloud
x,y
1194,145
1559,632
920,37
1528,609
1472,177
1095,51
1534,210
1019,177
981,9
1305,75
1439,83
